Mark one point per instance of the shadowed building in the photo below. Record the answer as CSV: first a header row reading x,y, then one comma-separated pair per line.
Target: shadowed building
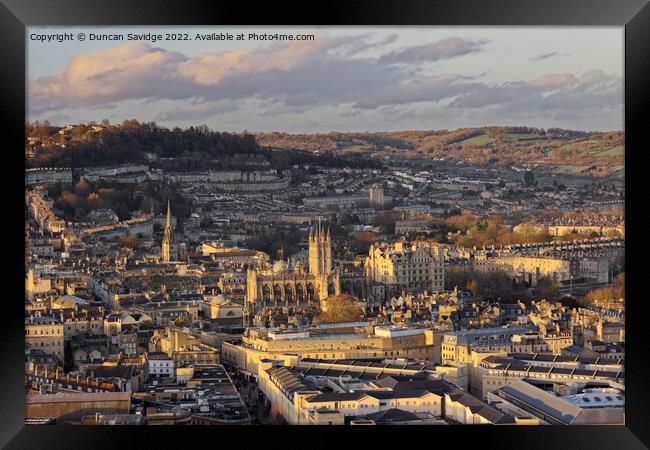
x,y
73,406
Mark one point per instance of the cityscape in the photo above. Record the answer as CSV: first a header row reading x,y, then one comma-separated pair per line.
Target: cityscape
x,y
183,270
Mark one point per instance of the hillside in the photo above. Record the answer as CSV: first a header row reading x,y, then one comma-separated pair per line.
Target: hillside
x,y
562,151
566,152
194,148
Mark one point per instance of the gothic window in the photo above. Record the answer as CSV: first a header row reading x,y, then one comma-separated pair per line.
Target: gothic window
x,y
266,293
277,292
300,292
288,293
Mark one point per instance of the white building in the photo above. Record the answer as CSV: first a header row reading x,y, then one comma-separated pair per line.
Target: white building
x,y
160,365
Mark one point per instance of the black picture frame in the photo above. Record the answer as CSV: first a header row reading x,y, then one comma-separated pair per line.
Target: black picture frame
x,y
634,15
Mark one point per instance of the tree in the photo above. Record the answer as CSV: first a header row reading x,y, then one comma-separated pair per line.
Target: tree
x,y
473,287
342,308
94,201
613,293
83,188
546,288
529,178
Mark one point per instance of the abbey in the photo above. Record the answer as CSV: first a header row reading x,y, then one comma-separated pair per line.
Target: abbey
x,y
293,286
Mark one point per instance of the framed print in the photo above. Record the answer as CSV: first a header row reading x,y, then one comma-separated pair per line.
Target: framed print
x,y
384,214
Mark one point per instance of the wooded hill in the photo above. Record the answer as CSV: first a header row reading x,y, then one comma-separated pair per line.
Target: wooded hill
x,y
194,148
562,151
598,154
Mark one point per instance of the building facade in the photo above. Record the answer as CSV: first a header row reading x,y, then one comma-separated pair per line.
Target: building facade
x,y
285,285
414,267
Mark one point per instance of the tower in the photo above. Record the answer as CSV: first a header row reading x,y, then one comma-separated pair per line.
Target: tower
x,y
376,195
320,251
168,237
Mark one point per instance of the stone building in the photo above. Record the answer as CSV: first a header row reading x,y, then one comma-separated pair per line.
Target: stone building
x,y
414,267
292,286
45,333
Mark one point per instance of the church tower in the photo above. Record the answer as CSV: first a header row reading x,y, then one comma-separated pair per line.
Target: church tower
x,y
168,238
320,251
328,252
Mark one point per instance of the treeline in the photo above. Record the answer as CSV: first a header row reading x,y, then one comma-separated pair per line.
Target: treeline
x,y
133,142
327,142
78,200
194,148
480,231
614,292
498,286
286,240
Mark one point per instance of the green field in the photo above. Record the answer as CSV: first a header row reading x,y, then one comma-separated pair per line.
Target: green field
x,y
351,149
569,169
619,150
477,140
593,150
517,136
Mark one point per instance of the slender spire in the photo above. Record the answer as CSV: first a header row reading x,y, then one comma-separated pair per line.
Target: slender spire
x,y
168,223
168,236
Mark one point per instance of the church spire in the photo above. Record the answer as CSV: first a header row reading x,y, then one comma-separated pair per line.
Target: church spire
x,y
168,236
168,222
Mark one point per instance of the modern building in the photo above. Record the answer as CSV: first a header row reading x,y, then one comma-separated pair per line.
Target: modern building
x,y
553,410
331,341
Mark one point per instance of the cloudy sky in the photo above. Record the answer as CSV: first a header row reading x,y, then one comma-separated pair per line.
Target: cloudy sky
x,y
346,79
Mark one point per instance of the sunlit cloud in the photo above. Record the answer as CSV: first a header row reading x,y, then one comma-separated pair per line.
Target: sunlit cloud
x,y
288,79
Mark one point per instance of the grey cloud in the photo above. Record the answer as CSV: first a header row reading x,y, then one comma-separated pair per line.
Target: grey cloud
x,y
197,111
544,56
552,94
357,44
444,49
290,80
